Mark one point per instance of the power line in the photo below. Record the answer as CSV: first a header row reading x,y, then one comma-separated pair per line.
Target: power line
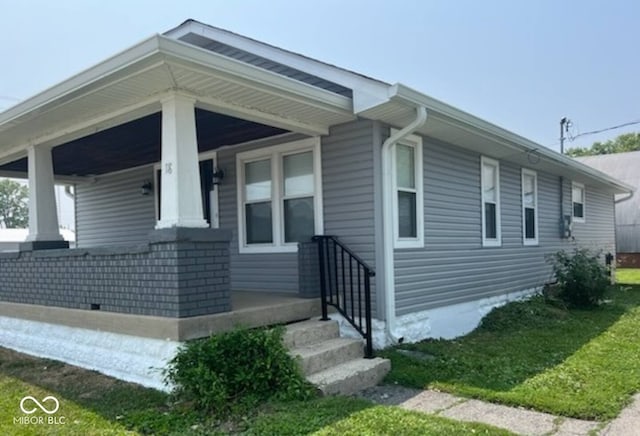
x,y
593,132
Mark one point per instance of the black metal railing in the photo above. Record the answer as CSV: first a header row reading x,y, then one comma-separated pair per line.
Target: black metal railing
x,y
345,284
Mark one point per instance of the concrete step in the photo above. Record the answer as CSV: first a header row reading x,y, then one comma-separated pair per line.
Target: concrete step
x,y
350,377
328,353
309,332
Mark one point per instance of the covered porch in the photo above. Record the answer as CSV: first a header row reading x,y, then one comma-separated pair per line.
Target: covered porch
x,y
157,109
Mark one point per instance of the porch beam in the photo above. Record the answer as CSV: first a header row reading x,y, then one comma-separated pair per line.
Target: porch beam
x,y
216,105
63,180
43,213
180,201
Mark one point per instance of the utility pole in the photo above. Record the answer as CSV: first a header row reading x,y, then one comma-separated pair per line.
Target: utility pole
x,y
564,127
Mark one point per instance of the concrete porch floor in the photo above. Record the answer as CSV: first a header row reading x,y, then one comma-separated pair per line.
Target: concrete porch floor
x,y
251,309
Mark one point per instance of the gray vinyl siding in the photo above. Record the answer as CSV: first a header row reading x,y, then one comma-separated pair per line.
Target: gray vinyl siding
x,y
453,267
111,210
270,272
347,185
598,230
348,188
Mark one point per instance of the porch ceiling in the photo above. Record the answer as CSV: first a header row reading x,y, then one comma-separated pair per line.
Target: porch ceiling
x,y
137,143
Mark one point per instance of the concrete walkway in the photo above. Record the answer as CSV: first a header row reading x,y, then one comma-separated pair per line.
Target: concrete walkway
x,y
517,420
520,421
627,423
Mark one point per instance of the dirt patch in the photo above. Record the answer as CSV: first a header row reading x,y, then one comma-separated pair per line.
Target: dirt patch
x,y
388,394
51,374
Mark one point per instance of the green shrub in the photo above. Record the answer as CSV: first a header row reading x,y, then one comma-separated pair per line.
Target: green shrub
x,y
236,370
582,277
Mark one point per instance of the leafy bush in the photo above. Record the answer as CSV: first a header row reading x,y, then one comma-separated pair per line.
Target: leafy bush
x,y
236,370
582,277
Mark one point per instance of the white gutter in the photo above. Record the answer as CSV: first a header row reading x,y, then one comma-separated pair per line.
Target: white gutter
x,y
387,224
622,200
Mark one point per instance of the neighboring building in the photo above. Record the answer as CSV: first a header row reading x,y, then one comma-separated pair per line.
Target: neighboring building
x,y
454,214
625,167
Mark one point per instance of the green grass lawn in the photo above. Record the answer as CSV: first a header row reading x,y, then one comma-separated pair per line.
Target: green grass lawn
x,y
93,404
628,276
578,363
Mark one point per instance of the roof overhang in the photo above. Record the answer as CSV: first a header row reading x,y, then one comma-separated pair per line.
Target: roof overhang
x,y
453,126
131,85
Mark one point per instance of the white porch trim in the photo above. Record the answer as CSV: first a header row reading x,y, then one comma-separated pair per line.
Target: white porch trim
x,y
43,213
181,205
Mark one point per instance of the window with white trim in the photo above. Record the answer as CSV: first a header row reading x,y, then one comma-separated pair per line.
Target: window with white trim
x,y
408,193
529,207
279,196
490,181
578,201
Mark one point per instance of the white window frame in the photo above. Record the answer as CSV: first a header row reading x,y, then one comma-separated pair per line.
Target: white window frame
x,y
525,240
497,242
213,195
415,142
581,219
276,153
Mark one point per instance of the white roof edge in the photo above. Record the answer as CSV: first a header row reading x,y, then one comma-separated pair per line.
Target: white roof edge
x,y
341,76
116,62
164,46
192,53
410,96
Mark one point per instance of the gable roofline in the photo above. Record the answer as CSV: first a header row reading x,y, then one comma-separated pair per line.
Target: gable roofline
x,y
367,90
373,99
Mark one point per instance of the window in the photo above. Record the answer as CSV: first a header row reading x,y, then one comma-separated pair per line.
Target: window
x,y
529,207
279,196
577,200
490,181
407,193
257,202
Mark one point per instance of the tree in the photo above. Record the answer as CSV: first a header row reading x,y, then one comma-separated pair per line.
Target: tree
x,y
14,210
620,144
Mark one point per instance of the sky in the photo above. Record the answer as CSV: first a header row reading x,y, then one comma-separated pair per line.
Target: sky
x,y
520,65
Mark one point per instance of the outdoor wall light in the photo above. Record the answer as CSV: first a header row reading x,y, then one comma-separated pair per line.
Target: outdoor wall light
x,y
217,176
146,188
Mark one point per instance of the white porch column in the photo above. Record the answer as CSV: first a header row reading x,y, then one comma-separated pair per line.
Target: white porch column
x,y
180,200
43,213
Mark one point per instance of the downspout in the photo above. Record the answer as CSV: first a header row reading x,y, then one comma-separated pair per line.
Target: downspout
x,y
387,225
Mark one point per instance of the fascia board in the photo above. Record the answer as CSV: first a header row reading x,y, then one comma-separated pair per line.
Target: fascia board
x,y
105,68
399,92
164,49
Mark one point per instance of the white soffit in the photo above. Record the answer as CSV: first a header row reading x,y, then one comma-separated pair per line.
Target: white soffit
x,y
130,84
